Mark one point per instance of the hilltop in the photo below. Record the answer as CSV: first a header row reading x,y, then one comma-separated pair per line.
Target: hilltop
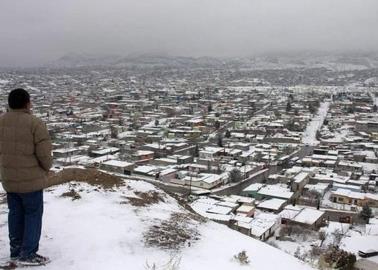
x,y
134,226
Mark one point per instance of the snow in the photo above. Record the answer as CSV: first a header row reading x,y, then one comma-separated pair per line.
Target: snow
x,y
309,136
98,232
117,163
276,191
308,216
263,222
349,194
360,242
273,204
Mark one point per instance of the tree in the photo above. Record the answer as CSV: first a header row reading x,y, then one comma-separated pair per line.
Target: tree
x,y
217,124
113,132
235,175
288,106
312,108
196,151
220,140
322,236
337,258
366,213
258,156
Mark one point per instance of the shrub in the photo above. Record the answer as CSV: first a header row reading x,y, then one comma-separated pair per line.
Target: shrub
x,y
242,258
338,259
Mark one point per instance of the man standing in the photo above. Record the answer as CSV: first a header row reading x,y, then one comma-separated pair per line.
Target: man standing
x,y
25,159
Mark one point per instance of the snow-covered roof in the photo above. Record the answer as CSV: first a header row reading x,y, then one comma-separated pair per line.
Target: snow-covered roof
x,y
145,169
118,163
272,204
254,187
308,216
276,191
245,208
349,194
300,177
262,223
105,151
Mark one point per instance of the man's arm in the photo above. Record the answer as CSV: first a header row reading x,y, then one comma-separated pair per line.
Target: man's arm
x,y
43,147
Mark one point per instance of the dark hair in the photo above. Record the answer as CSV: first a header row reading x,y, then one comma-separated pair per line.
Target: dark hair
x,y
18,99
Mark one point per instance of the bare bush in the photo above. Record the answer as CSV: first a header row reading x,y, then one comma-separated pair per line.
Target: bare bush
x,y
337,237
174,233
242,257
298,254
73,194
145,198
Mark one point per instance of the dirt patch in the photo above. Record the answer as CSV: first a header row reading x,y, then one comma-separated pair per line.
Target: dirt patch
x,y
71,194
89,176
173,234
145,198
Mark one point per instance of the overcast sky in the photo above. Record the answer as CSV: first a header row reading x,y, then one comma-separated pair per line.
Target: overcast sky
x,y
36,31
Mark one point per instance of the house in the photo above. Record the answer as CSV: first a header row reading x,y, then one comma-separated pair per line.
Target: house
x,y
251,190
240,200
146,170
299,181
345,165
167,175
345,196
104,151
118,166
275,191
207,207
209,153
303,216
241,224
65,152
143,155
204,180
264,225
272,205
246,210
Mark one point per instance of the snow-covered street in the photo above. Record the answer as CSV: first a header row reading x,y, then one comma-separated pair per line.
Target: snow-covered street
x,y
309,136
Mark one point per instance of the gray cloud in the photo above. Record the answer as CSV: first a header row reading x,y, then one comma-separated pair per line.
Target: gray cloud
x,y
33,32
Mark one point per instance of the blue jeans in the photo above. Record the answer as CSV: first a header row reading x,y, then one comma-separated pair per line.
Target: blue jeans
x,y
25,223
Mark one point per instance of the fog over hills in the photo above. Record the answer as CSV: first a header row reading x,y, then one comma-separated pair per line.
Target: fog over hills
x,y
36,32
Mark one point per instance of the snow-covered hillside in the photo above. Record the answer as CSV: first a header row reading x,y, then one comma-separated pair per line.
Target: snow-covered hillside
x,y
86,227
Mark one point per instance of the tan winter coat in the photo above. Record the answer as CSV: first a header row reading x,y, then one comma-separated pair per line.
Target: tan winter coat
x,y
25,152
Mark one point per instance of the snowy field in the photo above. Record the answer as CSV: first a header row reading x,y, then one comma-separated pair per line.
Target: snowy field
x,y
96,229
